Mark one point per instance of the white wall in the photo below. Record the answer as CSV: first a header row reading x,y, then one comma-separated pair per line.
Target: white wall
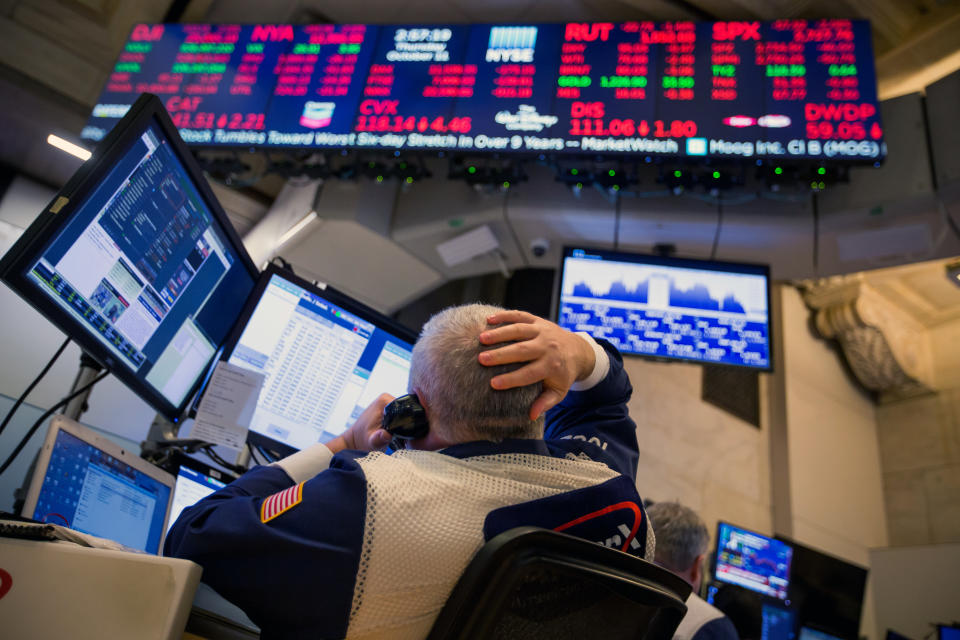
x,y
916,587
694,453
836,485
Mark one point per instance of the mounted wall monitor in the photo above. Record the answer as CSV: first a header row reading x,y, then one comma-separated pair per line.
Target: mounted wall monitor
x,y
827,591
668,308
753,561
136,261
325,357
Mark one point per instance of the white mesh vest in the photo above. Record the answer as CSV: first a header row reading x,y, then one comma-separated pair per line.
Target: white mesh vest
x,y
417,496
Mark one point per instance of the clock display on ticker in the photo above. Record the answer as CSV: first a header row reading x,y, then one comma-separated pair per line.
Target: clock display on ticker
x,y
788,89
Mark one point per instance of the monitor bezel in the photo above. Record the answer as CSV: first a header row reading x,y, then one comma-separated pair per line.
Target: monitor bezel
x,y
715,559
16,263
276,448
61,423
669,261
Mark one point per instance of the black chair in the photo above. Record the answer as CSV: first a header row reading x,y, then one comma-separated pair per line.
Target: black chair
x,y
535,583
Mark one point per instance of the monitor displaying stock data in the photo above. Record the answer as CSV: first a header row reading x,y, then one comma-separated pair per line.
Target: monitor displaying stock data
x,y
753,561
788,89
135,260
325,358
693,310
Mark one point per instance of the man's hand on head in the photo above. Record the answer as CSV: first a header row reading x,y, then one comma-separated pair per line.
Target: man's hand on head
x,y
367,433
552,355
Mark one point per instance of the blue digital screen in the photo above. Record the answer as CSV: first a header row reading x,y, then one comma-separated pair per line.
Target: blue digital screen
x,y
191,487
143,266
778,623
322,364
747,89
753,561
669,308
89,490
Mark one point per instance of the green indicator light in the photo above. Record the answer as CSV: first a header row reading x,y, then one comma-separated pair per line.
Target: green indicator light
x,y
821,171
611,173
506,185
579,185
677,173
616,187
409,180
813,185
778,170
716,175
822,185
574,172
471,170
371,164
379,178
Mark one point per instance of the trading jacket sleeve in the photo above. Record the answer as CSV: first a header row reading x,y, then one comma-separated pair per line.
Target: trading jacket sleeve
x,y
598,417
251,543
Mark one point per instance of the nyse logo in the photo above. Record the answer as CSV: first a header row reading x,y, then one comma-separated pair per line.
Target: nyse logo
x,y
511,44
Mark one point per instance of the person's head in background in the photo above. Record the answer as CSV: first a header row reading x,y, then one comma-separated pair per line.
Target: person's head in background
x,y
682,540
454,387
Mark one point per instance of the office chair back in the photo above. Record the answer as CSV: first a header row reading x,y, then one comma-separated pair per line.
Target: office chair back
x,y
536,583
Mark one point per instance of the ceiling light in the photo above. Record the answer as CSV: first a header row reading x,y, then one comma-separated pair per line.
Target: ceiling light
x,y
69,147
297,228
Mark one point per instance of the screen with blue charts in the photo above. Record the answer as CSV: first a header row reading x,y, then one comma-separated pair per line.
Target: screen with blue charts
x,y
753,561
323,364
93,492
709,312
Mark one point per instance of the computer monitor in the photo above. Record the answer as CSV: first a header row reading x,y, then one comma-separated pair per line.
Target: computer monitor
x,y
86,482
195,481
325,357
668,308
753,561
948,632
811,633
827,591
136,262
778,623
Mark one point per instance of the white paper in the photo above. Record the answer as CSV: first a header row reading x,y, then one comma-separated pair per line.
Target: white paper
x,y
226,409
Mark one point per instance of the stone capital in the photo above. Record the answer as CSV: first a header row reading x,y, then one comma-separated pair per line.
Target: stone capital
x,y
887,349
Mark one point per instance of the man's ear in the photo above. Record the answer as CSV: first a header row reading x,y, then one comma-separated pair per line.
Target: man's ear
x,y
423,402
696,571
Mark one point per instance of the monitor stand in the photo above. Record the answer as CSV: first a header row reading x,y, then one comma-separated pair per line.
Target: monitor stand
x,y
89,369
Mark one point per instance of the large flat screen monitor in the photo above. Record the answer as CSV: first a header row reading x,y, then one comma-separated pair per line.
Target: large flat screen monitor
x,y
325,357
753,561
692,310
827,591
136,262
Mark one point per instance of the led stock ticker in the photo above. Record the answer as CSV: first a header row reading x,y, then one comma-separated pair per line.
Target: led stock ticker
x,y
783,90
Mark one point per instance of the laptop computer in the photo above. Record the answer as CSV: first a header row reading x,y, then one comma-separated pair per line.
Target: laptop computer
x,y
89,483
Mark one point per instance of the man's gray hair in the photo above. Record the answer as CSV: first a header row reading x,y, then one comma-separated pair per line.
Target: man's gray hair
x,y
456,387
681,535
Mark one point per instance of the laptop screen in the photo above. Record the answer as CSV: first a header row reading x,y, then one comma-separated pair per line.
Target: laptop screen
x,y
87,489
192,486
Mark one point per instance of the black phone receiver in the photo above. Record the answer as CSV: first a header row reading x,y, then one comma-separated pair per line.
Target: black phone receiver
x,y
405,419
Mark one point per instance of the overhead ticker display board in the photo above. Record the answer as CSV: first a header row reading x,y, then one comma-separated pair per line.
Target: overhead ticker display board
x,y
788,89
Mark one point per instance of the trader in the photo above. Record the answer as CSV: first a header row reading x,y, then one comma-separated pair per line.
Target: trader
x,y
682,541
334,541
